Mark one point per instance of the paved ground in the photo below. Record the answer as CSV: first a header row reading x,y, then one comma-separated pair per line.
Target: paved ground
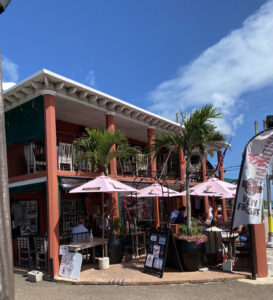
x,y
244,289
131,273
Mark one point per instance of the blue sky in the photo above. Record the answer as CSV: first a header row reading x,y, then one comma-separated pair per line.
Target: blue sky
x,y
160,55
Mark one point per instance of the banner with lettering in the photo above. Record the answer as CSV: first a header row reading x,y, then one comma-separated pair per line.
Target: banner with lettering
x,y
256,160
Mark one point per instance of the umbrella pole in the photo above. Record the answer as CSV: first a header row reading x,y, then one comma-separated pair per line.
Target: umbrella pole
x,y
102,225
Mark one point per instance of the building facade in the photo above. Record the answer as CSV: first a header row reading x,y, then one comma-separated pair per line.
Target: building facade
x,y
44,114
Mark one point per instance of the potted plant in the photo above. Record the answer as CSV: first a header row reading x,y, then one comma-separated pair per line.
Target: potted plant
x,y
116,242
191,246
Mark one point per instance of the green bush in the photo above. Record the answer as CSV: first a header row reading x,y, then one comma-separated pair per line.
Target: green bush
x,y
193,230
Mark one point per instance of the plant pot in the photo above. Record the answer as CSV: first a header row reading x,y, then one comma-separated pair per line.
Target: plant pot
x,y
192,256
116,249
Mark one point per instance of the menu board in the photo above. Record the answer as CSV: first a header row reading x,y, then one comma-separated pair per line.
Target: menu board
x,y
157,251
71,265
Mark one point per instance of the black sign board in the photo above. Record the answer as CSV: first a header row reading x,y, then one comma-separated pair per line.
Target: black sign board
x,y
161,252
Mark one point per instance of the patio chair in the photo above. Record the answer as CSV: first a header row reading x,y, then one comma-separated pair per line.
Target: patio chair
x,y
32,160
242,257
79,165
41,252
214,245
65,153
142,165
24,256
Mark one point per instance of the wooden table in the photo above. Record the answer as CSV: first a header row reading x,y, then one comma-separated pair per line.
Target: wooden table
x,y
81,245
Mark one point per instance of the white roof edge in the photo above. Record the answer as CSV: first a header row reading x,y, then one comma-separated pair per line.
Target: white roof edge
x,y
92,90
42,71
27,182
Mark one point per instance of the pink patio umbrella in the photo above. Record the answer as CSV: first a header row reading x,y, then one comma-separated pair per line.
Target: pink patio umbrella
x,y
213,187
103,184
156,190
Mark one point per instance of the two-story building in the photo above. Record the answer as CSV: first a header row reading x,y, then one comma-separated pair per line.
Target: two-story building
x,y
43,115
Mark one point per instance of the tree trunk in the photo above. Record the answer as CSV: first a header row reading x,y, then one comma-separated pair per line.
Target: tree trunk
x,y
6,256
188,192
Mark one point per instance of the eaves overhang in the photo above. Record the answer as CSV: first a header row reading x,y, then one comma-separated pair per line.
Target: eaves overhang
x,y
50,82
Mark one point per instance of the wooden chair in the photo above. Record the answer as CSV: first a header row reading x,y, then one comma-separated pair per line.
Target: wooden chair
x,y
213,245
65,156
32,160
242,257
23,251
41,252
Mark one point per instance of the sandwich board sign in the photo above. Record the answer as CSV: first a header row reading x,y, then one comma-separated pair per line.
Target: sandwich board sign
x,y
161,245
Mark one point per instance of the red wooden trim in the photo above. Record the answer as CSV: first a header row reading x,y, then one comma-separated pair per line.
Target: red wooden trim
x,y
27,176
138,143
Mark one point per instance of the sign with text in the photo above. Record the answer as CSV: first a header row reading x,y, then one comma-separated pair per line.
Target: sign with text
x,y
257,158
160,245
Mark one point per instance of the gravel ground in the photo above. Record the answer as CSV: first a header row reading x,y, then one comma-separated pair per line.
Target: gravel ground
x,y
243,289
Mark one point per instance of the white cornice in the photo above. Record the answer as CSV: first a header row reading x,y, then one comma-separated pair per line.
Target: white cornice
x,y
47,82
48,92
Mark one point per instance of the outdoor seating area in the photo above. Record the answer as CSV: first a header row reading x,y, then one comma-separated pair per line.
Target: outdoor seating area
x,y
127,238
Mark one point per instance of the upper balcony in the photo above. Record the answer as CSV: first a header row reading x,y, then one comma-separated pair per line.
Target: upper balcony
x,y
76,107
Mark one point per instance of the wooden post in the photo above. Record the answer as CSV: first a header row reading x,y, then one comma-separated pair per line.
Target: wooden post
x,y
259,244
110,125
52,180
152,162
221,176
204,177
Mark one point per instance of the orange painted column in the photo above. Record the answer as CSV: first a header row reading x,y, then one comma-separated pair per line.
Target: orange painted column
x,y
182,168
184,203
182,164
52,179
152,162
110,125
204,176
260,250
221,176
151,136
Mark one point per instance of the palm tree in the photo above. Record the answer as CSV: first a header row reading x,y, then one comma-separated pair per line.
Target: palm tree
x,y
197,131
100,147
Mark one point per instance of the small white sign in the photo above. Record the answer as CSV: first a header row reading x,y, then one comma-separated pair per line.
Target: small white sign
x,y
158,263
64,249
153,238
156,251
71,265
149,260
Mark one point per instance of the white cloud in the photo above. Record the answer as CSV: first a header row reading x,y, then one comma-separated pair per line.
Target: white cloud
x,y
90,78
237,121
239,63
8,85
9,70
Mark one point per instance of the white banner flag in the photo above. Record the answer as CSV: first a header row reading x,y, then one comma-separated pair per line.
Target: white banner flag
x,y
249,195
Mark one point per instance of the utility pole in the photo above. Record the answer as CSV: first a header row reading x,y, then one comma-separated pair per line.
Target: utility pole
x,y
267,123
6,256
